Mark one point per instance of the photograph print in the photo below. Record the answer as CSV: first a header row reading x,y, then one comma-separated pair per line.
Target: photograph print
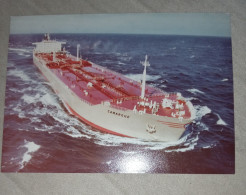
x,y
119,93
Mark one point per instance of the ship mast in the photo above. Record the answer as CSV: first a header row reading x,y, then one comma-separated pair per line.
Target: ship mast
x,y
78,45
145,64
54,56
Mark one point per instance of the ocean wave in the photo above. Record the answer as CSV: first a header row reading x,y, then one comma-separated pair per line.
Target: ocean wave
x,y
35,119
10,64
209,146
225,79
18,109
190,98
201,126
29,99
121,63
21,50
71,131
190,146
220,121
22,54
96,44
19,74
44,97
201,111
172,48
163,86
165,145
21,90
195,91
31,148
125,58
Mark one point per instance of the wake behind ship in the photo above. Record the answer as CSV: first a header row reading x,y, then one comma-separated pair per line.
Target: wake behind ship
x,y
109,101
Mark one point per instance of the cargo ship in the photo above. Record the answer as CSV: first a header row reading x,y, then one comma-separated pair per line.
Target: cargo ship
x,y
109,101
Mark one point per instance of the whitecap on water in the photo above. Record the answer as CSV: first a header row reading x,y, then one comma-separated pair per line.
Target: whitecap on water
x,y
21,50
202,126
21,90
31,148
224,80
19,73
189,147
220,121
201,111
71,131
44,96
195,91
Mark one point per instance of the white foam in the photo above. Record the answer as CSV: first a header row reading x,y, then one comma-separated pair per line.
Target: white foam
x,y
201,111
31,148
192,56
108,162
190,98
164,145
189,147
30,99
71,131
21,50
220,121
121,63
19,73
49,99
125,58
10,64
21,115
195,91
138,77
163,86
22,54
21,90
35,119
46,99
224,80
209,146
96,44
17,108
202,126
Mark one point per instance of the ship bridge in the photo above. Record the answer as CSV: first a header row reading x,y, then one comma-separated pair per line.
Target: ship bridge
x,y
48,46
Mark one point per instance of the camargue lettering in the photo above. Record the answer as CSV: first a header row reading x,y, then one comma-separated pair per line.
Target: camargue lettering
x,y
118,114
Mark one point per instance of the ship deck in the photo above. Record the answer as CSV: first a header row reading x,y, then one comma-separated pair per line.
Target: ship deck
x,y
95,84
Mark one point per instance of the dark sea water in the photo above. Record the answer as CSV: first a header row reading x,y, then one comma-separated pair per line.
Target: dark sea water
x,y
40,135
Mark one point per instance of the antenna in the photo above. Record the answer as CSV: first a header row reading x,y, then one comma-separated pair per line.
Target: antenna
x,y
145,64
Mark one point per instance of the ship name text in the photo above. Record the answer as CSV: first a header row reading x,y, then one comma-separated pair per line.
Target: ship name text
x,y
118,114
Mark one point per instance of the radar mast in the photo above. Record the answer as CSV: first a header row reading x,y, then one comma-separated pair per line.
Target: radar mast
x,y
145,64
